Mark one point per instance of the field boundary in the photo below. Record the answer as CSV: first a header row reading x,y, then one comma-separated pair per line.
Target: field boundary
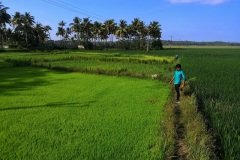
x,y
186,133
100,71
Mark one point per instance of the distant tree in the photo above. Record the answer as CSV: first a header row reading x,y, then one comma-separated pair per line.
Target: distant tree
x,y
96,30
76,27
111,28
17,19
122,30
47,30
68,33
103,33
41,33
138,31
5,18
8,32
134,28
17,28
61,29
155,30
86,29
28,22
23,28
24,31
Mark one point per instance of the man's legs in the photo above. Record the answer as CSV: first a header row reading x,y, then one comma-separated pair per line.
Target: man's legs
x,y
177,88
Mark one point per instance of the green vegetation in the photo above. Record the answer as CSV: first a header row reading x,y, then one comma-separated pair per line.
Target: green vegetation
x,y
57,115
49,112
216,85
22,31
135,65
213,76
196,142
185,132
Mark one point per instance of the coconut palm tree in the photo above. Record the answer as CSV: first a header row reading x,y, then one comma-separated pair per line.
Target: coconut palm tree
x,y
16,20
41,33
47,30
61,29
86,29
103,33
17,27
76,27
27,24
134,27
143,31
68,33
23,25
139,31
5,18
122,30
155,30
8,34
96,30
111,28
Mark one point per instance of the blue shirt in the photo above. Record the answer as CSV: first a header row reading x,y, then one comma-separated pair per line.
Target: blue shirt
x,y
179,76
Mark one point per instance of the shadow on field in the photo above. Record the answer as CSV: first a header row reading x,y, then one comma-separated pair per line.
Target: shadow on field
x,y
51,105
14,79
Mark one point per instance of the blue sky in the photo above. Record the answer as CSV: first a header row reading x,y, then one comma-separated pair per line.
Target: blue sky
x,y
198,20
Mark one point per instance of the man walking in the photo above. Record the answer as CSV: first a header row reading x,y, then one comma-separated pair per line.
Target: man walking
x,y
179,80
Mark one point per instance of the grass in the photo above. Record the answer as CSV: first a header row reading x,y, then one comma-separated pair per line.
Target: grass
x,y
217,88
199,47
57,115
185,132
214,74
215,77
123,64
197,139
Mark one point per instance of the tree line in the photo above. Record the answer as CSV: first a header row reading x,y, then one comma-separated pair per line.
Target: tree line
x,y
22,30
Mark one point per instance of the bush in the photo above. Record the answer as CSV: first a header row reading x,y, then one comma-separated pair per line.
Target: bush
x,y
12,46
88,45
157,45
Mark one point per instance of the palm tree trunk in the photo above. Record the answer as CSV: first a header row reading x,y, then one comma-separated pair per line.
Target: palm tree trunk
x,y
1,40
78,37
26,39
49,35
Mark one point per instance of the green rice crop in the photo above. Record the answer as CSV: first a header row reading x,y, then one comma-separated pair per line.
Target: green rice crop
x,y
216,74
213,74
59,115
135,65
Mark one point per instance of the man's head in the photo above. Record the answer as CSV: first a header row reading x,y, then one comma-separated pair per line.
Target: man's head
x,y
178,67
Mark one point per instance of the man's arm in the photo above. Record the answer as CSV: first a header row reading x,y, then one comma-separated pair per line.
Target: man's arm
x,y
183,83
183,80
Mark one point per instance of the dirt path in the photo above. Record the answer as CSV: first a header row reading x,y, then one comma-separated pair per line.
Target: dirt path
x,y
190,138
180,148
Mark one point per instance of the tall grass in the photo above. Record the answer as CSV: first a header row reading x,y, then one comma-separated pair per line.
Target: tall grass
x,y
216,84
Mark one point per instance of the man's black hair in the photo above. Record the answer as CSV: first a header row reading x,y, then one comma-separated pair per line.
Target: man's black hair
x,y
178,66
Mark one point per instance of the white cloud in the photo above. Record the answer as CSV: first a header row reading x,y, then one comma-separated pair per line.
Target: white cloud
x,y
212,2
